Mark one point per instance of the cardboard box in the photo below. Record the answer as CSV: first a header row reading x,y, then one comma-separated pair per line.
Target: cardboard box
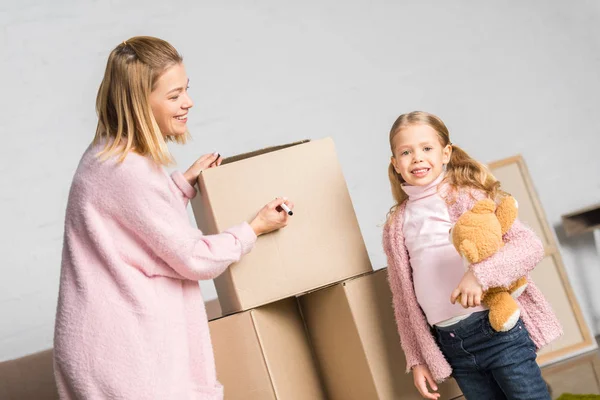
x,y
28,378
264,354
353,332
321,245
213,309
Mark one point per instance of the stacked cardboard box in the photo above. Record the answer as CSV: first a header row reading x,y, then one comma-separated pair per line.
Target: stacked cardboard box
x,y
264,353
353,333
323,243
304,316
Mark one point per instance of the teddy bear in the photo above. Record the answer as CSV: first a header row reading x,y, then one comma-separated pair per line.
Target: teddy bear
x,y
477,235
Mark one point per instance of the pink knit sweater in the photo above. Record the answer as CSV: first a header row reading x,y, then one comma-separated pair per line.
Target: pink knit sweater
x,y
131,322
522,252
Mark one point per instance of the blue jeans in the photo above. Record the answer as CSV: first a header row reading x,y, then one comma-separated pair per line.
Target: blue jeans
x,y
489,365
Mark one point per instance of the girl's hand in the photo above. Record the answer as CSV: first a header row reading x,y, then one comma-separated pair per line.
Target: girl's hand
x,y
271,217
206,161
469,290
422,376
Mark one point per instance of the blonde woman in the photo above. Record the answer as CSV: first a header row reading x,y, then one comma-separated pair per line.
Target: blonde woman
x,y
131,322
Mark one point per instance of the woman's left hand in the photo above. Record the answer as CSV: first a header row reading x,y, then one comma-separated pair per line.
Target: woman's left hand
x,y
469,290
206,161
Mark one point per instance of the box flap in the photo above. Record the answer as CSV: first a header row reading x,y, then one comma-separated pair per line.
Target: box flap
x,y
287,353
241,367
232,159
337,345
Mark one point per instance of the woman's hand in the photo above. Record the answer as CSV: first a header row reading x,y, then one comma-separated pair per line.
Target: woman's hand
x,y
422,376
271,217
206,161
469,290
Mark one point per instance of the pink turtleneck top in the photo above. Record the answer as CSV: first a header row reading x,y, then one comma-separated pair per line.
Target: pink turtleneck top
x,y
437,267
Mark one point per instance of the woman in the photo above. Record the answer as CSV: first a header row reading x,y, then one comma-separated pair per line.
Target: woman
x,y
131,322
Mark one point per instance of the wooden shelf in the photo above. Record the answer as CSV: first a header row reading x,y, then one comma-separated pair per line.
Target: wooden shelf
x,y
582,221
550,276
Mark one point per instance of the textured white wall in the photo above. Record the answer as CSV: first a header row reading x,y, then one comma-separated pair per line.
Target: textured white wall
x,y
507,78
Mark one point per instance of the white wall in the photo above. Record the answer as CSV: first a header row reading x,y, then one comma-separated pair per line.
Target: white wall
x,y
507,77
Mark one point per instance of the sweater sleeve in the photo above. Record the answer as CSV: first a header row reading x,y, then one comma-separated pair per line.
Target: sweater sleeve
x,y
146,207
522,251
408,339
187,190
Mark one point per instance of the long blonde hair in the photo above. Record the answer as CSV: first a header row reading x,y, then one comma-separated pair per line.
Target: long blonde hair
x,y
461,172
125,119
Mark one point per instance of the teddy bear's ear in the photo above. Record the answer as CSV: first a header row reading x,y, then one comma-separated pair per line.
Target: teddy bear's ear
x,y
507,213
469,250
485,206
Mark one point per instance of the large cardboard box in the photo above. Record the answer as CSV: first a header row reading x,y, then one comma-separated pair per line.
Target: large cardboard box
x,y
264,354
321,245
353,333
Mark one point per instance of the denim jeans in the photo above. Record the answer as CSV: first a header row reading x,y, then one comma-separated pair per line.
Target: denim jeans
x,y
489,365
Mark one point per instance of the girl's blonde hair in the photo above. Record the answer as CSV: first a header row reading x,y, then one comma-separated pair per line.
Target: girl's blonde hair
x,y
125,119
461,172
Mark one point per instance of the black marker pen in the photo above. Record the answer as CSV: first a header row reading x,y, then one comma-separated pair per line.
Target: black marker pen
x,y
287,209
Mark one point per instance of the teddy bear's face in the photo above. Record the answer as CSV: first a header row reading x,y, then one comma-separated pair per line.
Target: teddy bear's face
x,y
476,236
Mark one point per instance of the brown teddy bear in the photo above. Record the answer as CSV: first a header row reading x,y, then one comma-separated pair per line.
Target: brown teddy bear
x,y
477,235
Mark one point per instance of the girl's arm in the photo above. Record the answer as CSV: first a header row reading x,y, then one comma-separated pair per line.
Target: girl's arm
x,y
397,254
522,251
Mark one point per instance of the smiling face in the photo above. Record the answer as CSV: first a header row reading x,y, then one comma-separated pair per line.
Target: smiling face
x,y
170,101
418,154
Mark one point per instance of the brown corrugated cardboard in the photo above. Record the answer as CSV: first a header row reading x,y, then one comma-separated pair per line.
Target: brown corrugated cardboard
x,y
264,354
321,245
213,309
353,333
28,378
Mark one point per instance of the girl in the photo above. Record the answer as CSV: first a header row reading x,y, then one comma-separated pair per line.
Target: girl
x,y
433,183
131,322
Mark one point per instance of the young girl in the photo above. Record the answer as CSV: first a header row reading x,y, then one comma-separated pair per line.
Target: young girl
x,y
131,322
433,183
